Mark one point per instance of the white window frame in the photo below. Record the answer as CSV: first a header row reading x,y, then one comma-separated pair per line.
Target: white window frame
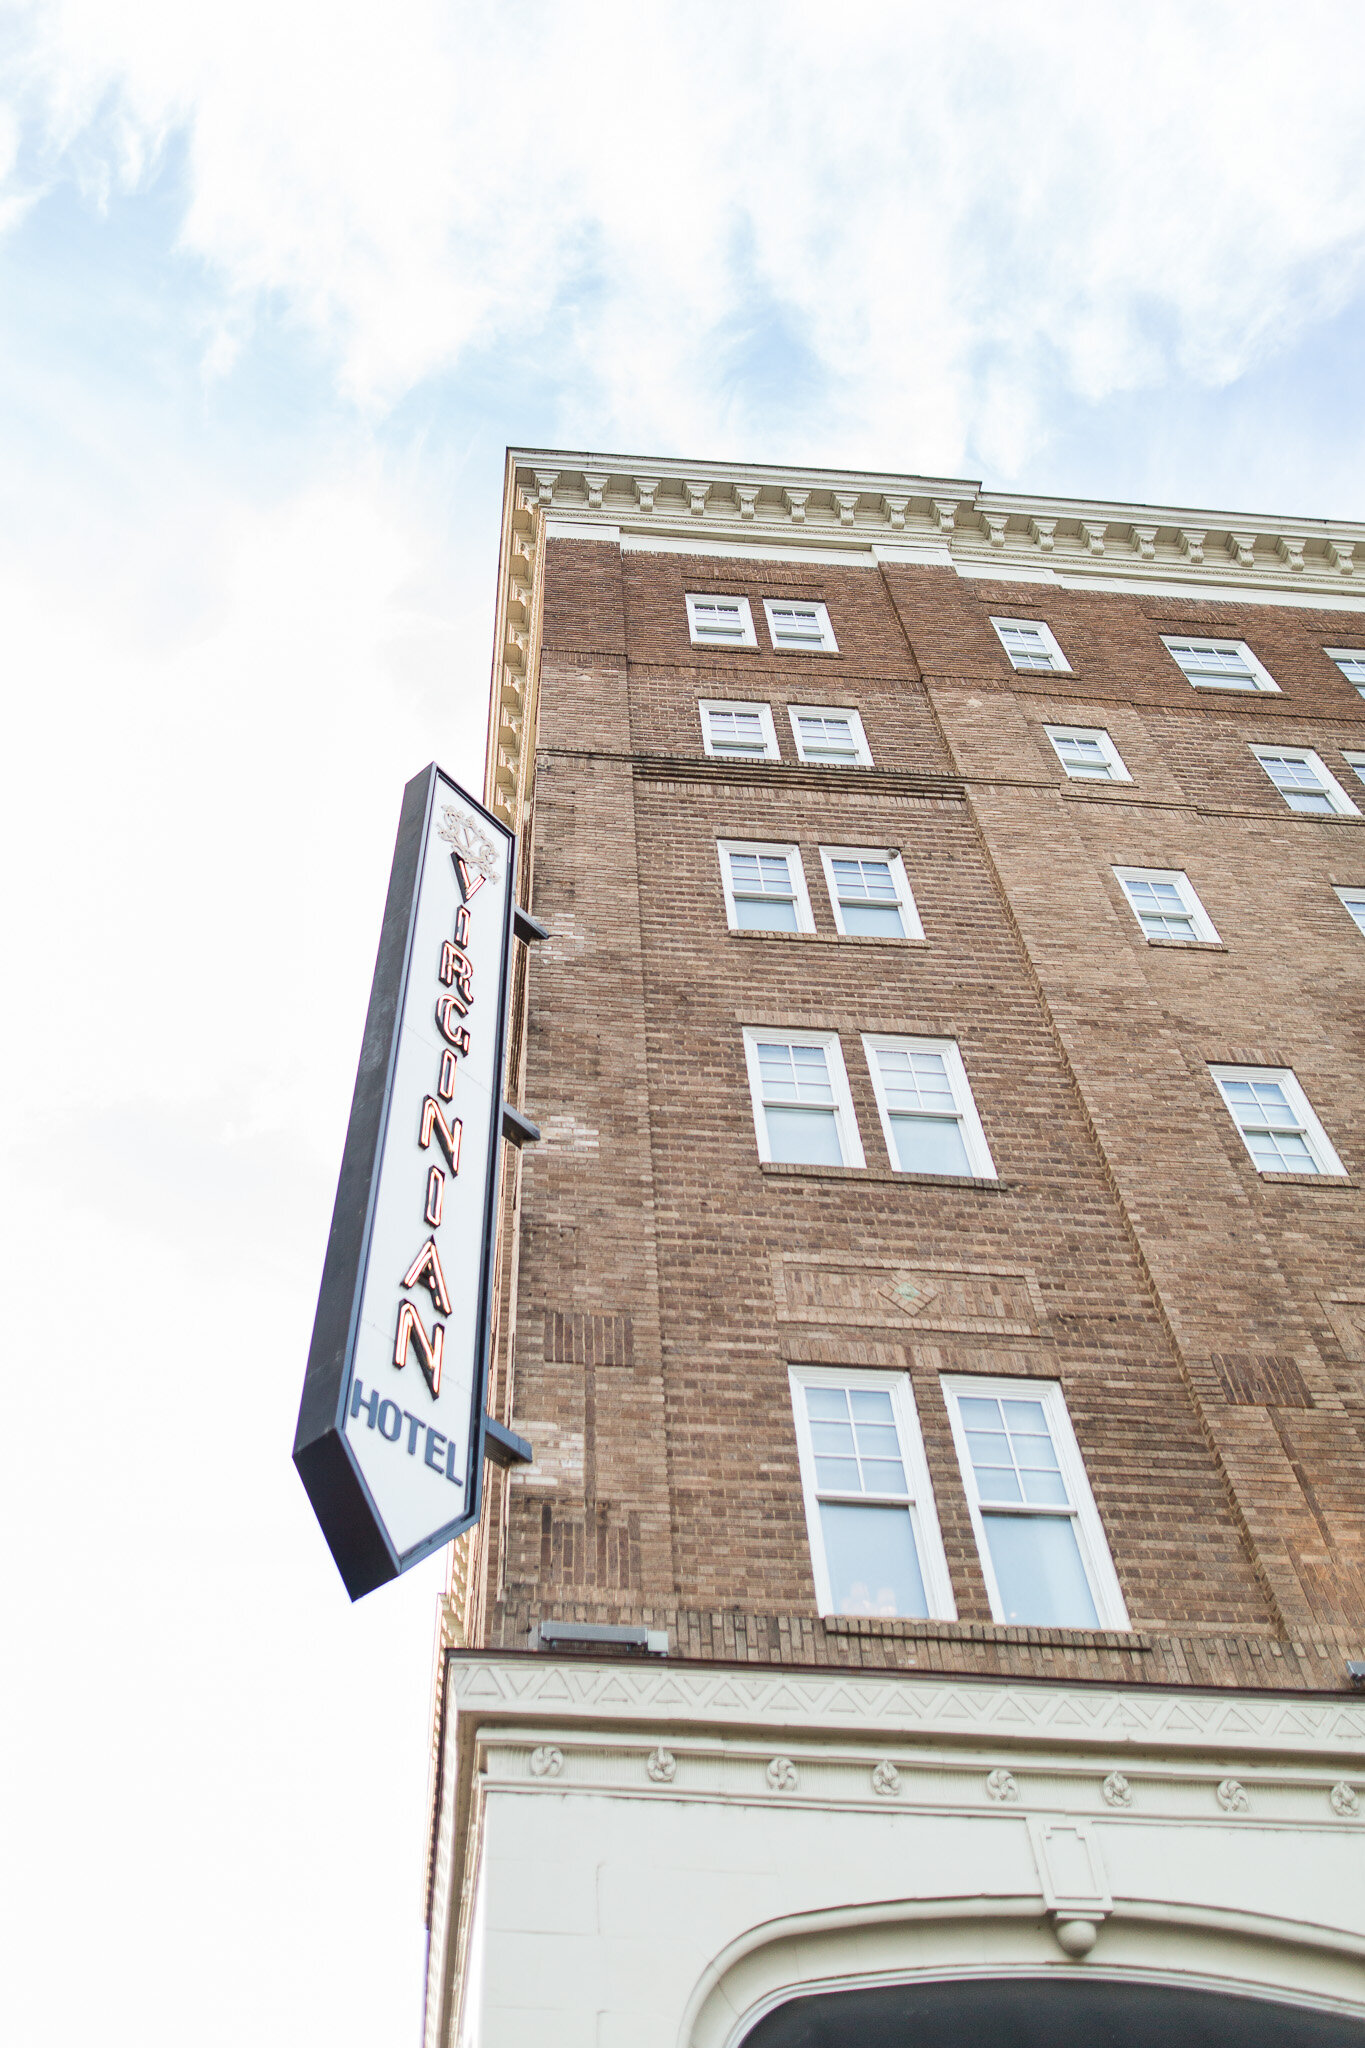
x,y
827,644
1336,796
920,1506
979,1162
1353,902
905,901
1355,762
845,1117
707,705
1260,677
1111,1609
796,873
1203,933
1113,760
1342,655
1324,1152
1058,663
746,637
863,757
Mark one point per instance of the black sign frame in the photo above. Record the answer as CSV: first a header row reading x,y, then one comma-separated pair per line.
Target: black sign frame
x,y
346,1510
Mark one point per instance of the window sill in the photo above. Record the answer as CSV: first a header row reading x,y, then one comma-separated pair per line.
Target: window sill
x,y
985,1632
1189,945
829,938
881,1175
1238,689
1309,1180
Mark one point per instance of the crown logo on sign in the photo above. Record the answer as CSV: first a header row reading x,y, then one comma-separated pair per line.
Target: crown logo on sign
x,y
469,840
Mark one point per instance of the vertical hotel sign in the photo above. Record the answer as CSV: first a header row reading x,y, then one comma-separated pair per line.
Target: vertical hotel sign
x,y
390,1437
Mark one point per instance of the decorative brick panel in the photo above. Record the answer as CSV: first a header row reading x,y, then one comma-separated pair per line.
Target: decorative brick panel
x,y
589,1339
1267,1382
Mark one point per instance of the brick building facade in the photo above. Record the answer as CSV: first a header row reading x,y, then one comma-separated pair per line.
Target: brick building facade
x,y
936,1302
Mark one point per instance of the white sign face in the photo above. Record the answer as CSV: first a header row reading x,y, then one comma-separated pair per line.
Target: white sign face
x,y
390,1438
415,1395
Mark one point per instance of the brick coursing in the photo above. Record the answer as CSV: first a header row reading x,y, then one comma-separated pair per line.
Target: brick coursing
x,y
1192,1311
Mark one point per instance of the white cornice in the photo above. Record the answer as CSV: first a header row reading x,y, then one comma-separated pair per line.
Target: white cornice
x,y
724,507
823,517
916,1706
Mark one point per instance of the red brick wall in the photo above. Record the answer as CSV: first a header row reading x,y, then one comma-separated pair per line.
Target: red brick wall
x,y
1186,1304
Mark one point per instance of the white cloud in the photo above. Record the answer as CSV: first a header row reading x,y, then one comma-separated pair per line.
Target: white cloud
x,y
894,237
1077,194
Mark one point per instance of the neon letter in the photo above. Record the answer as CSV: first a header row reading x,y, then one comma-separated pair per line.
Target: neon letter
x,y
429,1351
433,1118
425,1271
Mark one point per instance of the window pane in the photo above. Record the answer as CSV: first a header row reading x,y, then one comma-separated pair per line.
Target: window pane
x,y
871,1404
998,1483
871,1559
1280,1152
878,1440
826,1401
717,620
804,1137
1044,1489
929,1144
830,1438
827,738
872,921
838,1475
884,1475
765,914
1039,1571
794,1073
863,878
736,732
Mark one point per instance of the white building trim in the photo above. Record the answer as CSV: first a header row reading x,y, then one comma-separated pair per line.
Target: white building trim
x,y
759,512
657,1853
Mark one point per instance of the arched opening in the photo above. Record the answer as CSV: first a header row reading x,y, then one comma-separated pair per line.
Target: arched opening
x,y
1047,2012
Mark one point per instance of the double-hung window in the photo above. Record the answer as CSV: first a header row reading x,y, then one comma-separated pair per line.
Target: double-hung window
x,y
928,1116
1305,782
1087,753
741,732
869,894
874,1538
1356,763
1218,664
720,621
1031,645
1351,662
1276,1120
1354,902
803,1112
765,887
830,735
1165,905
1042,1546
799,628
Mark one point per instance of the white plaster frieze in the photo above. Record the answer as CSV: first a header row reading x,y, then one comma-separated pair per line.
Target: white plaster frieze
x,y
660,505
1176,1720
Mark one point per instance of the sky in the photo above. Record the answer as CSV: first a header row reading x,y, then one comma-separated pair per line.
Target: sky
x,y
279,282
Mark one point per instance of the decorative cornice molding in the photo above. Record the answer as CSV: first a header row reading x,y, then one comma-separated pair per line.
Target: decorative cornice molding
x,y
854,510
833,516
917,1707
